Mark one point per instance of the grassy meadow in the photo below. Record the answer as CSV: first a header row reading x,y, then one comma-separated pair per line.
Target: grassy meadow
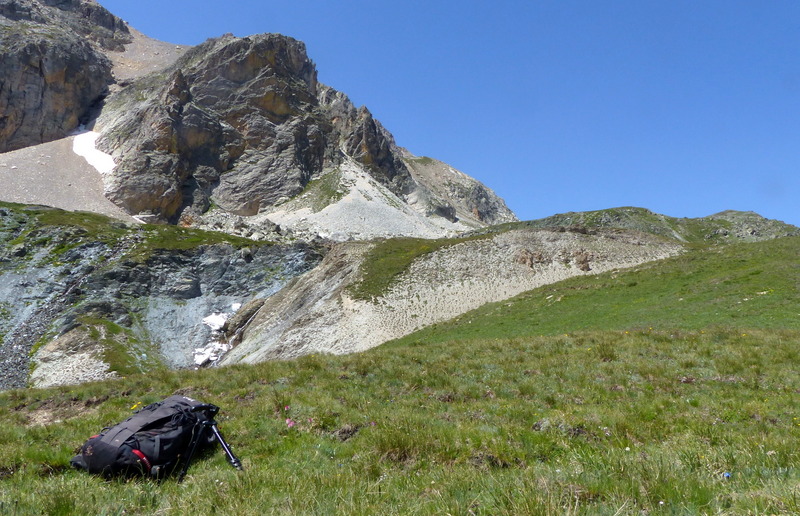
x,y
669,389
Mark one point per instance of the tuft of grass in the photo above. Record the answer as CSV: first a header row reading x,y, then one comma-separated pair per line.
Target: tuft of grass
x,y
422,160
323,191
122,350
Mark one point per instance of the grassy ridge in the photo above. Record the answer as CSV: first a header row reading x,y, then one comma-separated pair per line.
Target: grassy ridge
x,y
389,258
745,285
725,227
29,225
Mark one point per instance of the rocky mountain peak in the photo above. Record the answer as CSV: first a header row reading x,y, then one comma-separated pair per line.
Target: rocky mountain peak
x,y
242,107
223,69
235,134
242,124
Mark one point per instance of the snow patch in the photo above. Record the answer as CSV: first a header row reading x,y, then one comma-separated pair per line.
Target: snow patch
x,y
83,144
210,353
216,321
214,350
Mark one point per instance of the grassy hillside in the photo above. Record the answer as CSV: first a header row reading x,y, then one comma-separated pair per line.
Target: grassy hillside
x,y
745,285
671,389
40,226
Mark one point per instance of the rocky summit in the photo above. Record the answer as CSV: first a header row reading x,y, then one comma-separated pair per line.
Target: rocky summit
x,y
171,207
242,125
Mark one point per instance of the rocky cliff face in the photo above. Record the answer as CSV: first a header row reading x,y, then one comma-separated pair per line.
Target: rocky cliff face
x,y
53,68
85,17
233,117
84,297
241,124
234,129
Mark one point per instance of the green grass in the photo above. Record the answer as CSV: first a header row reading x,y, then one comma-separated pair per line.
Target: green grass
x,y
621,399
323,191
176,238
592,423
746,285
388,259
27,223
391,257
39,226
122,351
422,160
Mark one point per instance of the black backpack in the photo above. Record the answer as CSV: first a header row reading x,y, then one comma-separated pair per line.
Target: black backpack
x,y
153,441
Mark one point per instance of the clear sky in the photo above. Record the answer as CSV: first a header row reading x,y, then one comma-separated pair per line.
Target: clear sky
x,y
684,107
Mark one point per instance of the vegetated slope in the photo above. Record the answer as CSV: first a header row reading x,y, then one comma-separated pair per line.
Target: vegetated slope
x,y
727,226
661,421
84,297
365,294
743,285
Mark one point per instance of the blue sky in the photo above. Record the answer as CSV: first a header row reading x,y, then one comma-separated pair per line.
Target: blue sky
x,y
684,107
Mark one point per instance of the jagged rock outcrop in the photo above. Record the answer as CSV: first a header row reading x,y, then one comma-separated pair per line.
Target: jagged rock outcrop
x,y
242,124
454,195
233,117
365,140
53,71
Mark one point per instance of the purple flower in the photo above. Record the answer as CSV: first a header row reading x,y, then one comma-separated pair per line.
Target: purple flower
x,y
290,422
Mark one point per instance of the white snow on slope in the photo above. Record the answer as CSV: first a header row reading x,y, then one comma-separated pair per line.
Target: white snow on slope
x,y
213,350
84,145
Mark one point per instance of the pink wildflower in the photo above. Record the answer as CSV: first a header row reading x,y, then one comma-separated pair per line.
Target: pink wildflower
x,y
290,422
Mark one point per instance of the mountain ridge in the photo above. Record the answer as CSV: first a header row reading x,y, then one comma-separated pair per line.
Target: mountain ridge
x,y
96,290
290,131
216,134
272,193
